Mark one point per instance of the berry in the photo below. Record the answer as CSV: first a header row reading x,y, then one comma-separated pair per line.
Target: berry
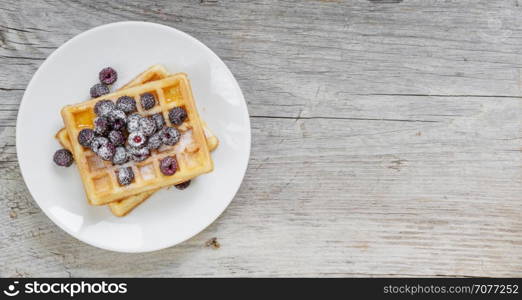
x,y
106,152
154,141
147,101
168,165
85,137
118,119
169,136
108,75
103,108
99,90
177,115
101,125
133,122
125,176
139,154
121,156
147,126
63,158
183,185
158,119
136,139
126,104
98,142
116,137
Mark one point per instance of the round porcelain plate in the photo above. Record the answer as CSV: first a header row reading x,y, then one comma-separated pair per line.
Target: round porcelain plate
x,y
170,216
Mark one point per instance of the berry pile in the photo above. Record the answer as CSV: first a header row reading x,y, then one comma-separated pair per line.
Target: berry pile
x,y
120,135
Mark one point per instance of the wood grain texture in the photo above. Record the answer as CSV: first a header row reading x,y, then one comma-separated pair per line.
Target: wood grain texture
x,y
397,124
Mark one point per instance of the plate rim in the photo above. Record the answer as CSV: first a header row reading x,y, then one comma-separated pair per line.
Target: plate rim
x,y
61,225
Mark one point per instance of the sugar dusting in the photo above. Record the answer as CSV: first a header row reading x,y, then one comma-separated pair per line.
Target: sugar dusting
x,y
95,162
185,140
147,172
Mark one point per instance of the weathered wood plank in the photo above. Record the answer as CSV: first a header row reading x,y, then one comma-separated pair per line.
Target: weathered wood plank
x,y
400,124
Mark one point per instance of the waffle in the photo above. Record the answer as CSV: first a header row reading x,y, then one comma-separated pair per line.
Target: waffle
x,y
124,206
99,177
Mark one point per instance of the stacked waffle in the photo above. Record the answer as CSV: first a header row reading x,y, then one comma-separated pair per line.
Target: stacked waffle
x,y
185,158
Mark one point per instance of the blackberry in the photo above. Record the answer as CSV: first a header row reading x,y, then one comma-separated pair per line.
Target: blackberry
x,y
108,75
126,104
136,139
133,122
138,155
103,108
169,136
121,156
147,126
177,115
116,137
125,176
98,142
158,120
118,119
147,101
101,125
106,152
183,185
154,141
168,165
85,137
99,90
63,158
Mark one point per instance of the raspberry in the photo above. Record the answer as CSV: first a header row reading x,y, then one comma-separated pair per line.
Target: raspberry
x,y
168,165
103,108
177,115
101,125
108,75
118,119
133,122
63,158
126,104
158,119
125,176
121,156
147,101
169,136
154,141
99,90
147,126
136,139
116,137
98,142
85,137
139,154
183,185
106,152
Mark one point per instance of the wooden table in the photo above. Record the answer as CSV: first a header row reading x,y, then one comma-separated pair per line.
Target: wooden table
x,y
386,138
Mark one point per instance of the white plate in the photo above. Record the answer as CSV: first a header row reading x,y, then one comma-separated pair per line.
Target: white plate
x,y
170,216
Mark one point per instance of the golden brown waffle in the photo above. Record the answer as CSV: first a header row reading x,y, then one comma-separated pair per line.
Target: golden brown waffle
x,y
99,177
124,206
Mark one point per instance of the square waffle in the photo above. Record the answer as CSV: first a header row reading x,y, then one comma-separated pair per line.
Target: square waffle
x,y
124,206
99,177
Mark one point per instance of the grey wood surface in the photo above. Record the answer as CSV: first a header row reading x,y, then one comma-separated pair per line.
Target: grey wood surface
x,y
386,138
